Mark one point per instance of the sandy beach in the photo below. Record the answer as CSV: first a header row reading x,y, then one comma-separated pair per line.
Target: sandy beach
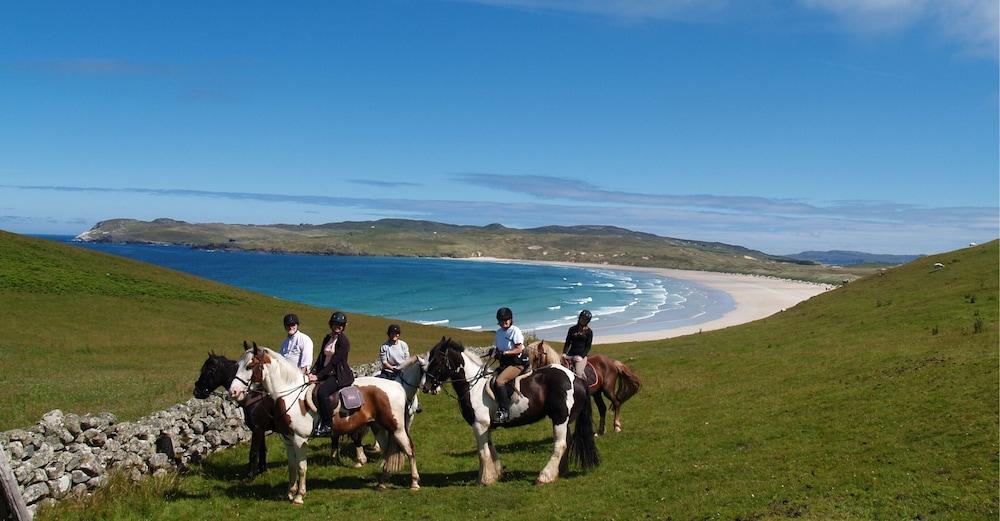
x,y
755,297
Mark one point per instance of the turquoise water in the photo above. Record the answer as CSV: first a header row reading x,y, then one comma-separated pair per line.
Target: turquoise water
x,y
462,294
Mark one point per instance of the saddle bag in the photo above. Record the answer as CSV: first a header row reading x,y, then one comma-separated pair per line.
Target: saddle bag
x,y
350,398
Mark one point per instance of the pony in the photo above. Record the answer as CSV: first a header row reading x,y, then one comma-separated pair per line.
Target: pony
x,y
614,379
384,405
550,391
219,371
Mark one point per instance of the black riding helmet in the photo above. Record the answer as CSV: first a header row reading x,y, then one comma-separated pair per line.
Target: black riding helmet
x,y
586,315
504,314
393,330
290,319
338,318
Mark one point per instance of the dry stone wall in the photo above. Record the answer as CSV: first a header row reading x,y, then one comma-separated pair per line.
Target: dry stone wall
x,y
70,454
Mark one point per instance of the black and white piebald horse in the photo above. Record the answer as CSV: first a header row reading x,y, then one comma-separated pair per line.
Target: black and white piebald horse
x,y
552,392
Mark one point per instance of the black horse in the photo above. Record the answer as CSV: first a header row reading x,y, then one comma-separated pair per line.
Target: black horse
x,y
257,408
258,414
551,392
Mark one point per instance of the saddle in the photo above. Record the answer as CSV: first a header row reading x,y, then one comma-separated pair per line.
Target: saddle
x,y
589,373
513,386
350,399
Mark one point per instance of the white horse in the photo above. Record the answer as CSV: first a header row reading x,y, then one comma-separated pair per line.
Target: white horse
x,y
552,391
384,406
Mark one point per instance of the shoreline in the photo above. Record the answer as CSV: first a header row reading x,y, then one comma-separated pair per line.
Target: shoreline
x,y
754,296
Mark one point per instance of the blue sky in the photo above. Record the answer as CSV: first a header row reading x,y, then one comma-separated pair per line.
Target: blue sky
x,y
777,125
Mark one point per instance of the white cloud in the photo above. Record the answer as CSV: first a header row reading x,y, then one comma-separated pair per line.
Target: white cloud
x,y
974,24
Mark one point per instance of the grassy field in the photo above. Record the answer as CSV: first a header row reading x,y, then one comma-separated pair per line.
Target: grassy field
x,y
593,244
877,400
88,332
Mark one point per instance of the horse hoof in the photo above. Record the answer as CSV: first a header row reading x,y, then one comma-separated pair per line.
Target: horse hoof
x,y
381,487
358,464
414,486
298,501
618,429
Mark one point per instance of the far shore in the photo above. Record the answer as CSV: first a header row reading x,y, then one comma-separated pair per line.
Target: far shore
x,y
754,296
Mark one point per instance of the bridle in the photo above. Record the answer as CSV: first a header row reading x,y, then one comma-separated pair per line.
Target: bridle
x,y
437,381
257,377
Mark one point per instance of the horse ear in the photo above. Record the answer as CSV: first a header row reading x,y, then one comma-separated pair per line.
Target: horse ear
x,y
246,346
442,338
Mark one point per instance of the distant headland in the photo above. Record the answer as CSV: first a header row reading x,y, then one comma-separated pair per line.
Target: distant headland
x,y
400,237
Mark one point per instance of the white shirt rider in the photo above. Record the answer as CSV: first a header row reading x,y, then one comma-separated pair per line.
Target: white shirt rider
x,y
297,348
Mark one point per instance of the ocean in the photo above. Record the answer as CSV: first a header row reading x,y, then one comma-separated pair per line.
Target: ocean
x,y
456,293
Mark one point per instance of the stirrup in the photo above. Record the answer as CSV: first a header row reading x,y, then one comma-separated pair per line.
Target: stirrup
x,y
503,416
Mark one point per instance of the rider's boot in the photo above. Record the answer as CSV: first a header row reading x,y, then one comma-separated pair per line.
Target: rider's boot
x,y
503,404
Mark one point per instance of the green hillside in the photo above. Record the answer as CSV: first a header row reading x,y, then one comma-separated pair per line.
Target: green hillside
x,y
89,332
874,401
400,237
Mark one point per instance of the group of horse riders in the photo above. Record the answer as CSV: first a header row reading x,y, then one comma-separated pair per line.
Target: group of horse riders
x,y
331,370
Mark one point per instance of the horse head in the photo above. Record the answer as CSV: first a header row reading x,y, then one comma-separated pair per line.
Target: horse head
x,y
248,371
214,373
444,363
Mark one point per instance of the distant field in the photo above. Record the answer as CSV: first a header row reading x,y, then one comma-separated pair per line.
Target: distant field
x,y
398,237
89,332
877,400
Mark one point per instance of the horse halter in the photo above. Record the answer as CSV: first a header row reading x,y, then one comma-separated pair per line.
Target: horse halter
x,y
436,379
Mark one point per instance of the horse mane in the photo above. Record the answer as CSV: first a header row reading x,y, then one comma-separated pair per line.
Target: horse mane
x,y
408,362
285,369
541,354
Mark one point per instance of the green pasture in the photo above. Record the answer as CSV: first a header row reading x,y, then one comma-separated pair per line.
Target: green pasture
x,y
877,400
87,332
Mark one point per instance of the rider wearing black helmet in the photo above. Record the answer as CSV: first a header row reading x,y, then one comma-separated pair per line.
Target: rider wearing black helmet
x,y
297,347
578,341
392,353
509,344
331,370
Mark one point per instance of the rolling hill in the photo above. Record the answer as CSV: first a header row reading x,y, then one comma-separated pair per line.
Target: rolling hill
x,y
85,331
875,400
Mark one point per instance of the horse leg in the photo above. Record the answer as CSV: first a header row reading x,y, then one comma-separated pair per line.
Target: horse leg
x,y
493,453
301,461
601,409
293,467
254,463
262,452
487,468
551,470
359,449
616,406
406,445
335,447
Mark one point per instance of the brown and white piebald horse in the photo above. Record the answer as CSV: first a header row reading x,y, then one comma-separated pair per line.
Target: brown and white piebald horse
x,y
550,391
611,378
384,407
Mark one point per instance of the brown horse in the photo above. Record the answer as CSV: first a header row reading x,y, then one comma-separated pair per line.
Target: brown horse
x,y
384,407
614,380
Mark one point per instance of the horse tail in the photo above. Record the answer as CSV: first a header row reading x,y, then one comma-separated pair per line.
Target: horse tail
x,y
582,447
628,382
392,453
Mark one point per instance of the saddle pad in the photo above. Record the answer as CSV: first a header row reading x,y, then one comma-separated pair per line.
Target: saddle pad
x,y
350,397
311,397
590,375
